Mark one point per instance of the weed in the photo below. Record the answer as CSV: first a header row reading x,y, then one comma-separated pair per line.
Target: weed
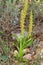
x,y
23,15
24,41
31,23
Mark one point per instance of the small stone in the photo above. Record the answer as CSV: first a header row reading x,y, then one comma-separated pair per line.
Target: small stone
x,y
41,54
18,34
16,62
41,63
15,52
41,44
27,50
28,56
42,51
33,53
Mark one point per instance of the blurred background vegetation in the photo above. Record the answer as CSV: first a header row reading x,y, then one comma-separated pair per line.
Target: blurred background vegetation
x,y
14,7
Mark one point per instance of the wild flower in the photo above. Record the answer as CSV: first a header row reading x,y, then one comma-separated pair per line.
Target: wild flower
x,y
30,23
23,15
24,41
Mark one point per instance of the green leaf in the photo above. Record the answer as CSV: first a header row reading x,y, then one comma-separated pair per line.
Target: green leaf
x,y
4,58
1,33
16,45
23,42
28,43
26,37
6,49
14,1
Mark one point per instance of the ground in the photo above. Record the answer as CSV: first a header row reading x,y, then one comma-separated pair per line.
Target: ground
x,y
34,53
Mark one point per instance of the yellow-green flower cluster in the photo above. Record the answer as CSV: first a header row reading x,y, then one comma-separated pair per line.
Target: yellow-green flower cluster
x,y
37,1
23,15
31,23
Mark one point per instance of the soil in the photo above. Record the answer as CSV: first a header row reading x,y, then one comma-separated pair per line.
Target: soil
x,y
35,49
